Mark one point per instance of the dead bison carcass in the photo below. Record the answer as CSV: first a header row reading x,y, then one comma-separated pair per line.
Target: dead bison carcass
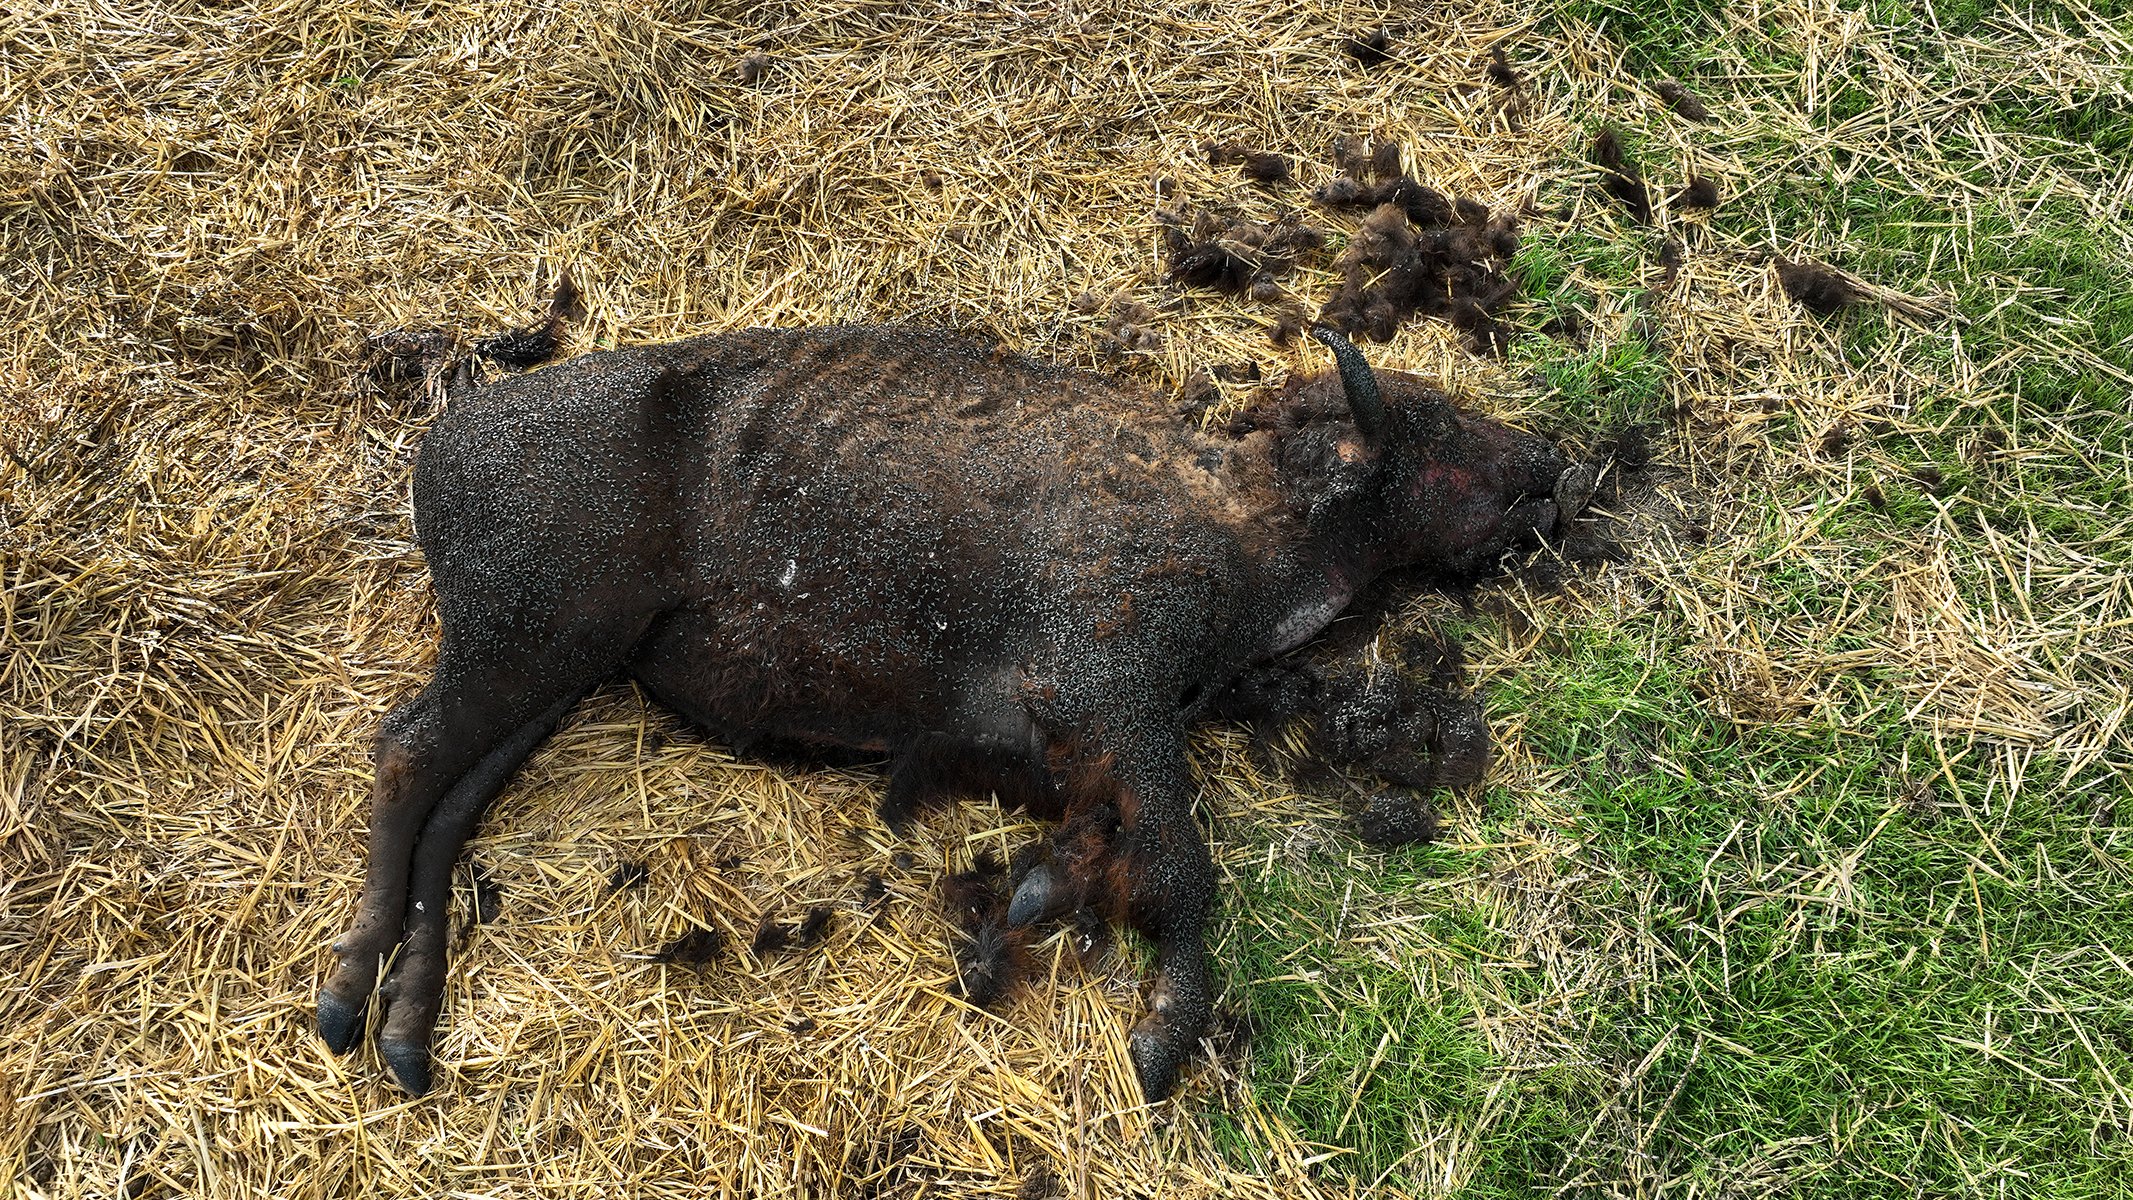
x,y
998,571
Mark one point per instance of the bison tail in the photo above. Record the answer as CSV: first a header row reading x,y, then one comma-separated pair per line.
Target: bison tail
x,y
519,349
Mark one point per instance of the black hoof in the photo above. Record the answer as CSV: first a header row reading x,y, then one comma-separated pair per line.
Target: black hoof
x,y
339,1022
1033,897
409,1063
1156,1063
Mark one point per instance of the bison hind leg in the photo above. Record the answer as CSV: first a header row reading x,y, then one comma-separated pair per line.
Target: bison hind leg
x,y
933,765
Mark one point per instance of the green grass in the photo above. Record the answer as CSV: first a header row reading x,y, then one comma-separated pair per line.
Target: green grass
x,y
1836,960
1860,966
1895,982
1595,383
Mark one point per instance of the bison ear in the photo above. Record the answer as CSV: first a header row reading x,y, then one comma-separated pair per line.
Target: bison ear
x,y
1357,383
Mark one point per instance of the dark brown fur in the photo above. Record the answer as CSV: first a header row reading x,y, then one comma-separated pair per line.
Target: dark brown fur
x,y
1396,720
1372,49
1395,268
1682,100
1501,72
990,958
696,948
1699,192
1620,176
1232,254
1260,166
1818,288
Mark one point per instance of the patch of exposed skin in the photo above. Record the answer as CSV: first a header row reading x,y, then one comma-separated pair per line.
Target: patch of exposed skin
x,y
1004,573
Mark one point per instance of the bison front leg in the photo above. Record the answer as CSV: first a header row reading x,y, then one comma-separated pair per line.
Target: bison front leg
x,y
1155,871
1174,887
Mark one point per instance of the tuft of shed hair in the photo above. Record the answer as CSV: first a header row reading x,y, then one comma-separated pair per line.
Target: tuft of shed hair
x,y
1421,253
627,877
1372,49
1371,178
1620,176
990,958
773,935
1675,95
1817,287
1236,255
1260,166
1501,72
697,948
1701,191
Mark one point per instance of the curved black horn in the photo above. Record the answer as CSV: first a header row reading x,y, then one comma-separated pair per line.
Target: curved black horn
x,y
1357,382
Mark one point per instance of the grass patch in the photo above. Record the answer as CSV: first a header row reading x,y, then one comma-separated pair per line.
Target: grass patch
x,y
1872,969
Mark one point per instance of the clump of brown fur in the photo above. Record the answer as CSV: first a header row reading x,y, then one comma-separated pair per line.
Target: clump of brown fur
x,y
1371,178
751,69
1701,191
1371,49
1260,166
772,935
1129,325
1234,254
1682,100
1501,72
1287,326
1395,268
990,958
1197,394
1820,289
1417,251
1671,255
1620,176
697,948
1395,719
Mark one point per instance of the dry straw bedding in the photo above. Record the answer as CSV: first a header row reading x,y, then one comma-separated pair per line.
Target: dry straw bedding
x,y
211,592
